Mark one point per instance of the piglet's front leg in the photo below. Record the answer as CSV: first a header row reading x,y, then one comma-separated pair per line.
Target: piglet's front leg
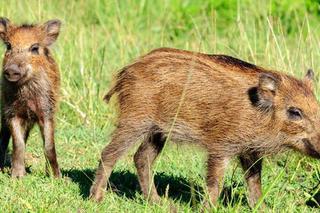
x,y
17,131
216,168
252,166
47,131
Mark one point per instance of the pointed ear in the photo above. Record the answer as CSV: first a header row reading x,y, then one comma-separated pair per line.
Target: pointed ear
x,y
309,78
4,26
267,88
51,30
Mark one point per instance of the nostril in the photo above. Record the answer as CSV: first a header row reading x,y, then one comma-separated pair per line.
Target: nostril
x,y
6,74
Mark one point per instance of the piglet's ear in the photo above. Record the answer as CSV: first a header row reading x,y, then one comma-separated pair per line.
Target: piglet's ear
x,y
267,88
4,26
309,78
51,30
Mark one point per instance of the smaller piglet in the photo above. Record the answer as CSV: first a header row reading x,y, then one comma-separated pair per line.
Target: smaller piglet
x,y
29,90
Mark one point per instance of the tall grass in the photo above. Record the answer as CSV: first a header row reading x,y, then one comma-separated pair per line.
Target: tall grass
x,y
98,38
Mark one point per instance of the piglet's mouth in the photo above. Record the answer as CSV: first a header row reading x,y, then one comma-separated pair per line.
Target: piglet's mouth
x,y
310,148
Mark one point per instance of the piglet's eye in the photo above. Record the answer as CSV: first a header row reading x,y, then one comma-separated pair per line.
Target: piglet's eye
x,y
8,45
294,113
34,49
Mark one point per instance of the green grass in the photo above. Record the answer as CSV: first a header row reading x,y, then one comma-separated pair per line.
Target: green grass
x,y
100,37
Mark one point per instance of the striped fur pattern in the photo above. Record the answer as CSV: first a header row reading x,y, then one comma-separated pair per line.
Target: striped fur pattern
x,y
225,105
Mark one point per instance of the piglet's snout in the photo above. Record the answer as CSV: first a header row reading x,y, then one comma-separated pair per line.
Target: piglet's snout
x,y
13,73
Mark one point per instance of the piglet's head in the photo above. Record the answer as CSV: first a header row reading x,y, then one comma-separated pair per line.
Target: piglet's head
x,y
293,110
27,49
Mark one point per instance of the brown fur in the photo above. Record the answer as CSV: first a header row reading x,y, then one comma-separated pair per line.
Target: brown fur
x,y
34,97
228,106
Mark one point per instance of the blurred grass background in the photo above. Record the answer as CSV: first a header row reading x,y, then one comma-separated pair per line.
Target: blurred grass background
x,y
101,36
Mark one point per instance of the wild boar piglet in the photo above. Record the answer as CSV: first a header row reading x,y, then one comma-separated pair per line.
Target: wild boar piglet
x,y
227,106
29,90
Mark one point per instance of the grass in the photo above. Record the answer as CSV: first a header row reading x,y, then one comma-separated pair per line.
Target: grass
x,y
100,37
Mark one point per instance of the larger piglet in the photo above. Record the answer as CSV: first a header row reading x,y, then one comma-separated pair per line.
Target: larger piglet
x,y
227,106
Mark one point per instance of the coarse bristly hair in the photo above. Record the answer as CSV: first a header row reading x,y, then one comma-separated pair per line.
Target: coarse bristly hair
x,y
29,90
227,106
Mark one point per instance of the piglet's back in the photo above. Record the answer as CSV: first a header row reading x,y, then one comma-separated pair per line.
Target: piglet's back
x,y
200,97
165,76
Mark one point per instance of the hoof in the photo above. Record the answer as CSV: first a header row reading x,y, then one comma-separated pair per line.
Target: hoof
x,y
96,194
18,173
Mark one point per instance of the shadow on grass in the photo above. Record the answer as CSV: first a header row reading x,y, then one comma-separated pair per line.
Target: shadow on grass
x,y
125,184
314,202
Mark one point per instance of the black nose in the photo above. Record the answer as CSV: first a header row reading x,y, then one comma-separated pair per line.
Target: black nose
x,y
13,73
